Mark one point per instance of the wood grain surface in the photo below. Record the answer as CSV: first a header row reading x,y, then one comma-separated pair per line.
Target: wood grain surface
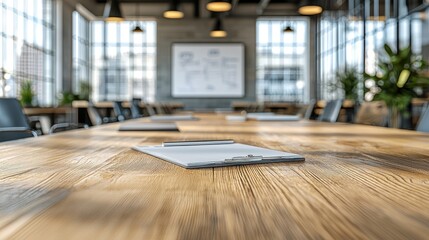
x,y
358,182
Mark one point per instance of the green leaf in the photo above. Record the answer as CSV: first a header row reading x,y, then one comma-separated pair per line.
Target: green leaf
x,y
388,50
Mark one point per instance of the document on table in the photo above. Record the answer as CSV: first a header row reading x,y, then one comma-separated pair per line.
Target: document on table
x,y
148,126
274,117
173,118
215,153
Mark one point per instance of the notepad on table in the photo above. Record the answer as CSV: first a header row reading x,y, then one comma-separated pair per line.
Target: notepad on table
x,y
215,153
188,117
275,117
148,126
258,114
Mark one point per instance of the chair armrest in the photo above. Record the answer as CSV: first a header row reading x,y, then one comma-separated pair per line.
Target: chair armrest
x,y
18,129
67,125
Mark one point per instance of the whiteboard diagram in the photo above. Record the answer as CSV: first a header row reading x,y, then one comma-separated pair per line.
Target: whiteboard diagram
x,y
207,70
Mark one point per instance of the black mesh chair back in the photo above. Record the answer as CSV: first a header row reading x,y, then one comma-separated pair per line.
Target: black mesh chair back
x,y
13,122
423,125
119,111
331,111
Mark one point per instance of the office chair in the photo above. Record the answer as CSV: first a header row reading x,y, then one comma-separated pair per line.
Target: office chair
x,y
95,117
158,108
167,109
309,112
331,111
423,125
13,122
135,109
119,111
150,109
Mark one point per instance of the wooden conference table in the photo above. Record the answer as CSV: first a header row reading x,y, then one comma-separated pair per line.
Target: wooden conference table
x,y
51,112
358,182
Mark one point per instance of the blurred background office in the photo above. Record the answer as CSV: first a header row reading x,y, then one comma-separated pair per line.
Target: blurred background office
x,y
56,52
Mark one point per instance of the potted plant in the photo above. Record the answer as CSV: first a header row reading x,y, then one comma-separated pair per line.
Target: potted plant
x,y
85,90
26,93
66,98
397,80
348,81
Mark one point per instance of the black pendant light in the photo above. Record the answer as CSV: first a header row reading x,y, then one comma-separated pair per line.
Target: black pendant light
x,y
218,31
219,5
288,29
112,11
173,11
310,7
138,29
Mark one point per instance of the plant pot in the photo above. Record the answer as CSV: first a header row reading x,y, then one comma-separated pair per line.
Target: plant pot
x,y
394,120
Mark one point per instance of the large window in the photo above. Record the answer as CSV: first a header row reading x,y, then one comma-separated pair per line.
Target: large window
x,y
340,46
282,59
354,37
81,64
123,62
26,44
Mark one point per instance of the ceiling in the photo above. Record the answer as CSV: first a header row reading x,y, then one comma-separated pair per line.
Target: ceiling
x,y
246,8
241,8
192,1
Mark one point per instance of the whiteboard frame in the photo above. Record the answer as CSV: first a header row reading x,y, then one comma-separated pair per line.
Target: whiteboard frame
x,y
243,71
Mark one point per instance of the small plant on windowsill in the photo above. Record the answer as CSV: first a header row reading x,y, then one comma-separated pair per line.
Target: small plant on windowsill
x,y
26,93
66,98
398,79
347,81
85,90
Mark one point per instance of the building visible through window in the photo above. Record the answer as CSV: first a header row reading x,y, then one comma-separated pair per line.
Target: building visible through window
x,y
27,51
282,60
123,62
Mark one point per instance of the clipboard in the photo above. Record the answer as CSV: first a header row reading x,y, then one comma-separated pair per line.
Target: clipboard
x,y
216,153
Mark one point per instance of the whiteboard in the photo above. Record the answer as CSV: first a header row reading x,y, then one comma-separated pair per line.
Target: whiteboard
x,y
207,70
